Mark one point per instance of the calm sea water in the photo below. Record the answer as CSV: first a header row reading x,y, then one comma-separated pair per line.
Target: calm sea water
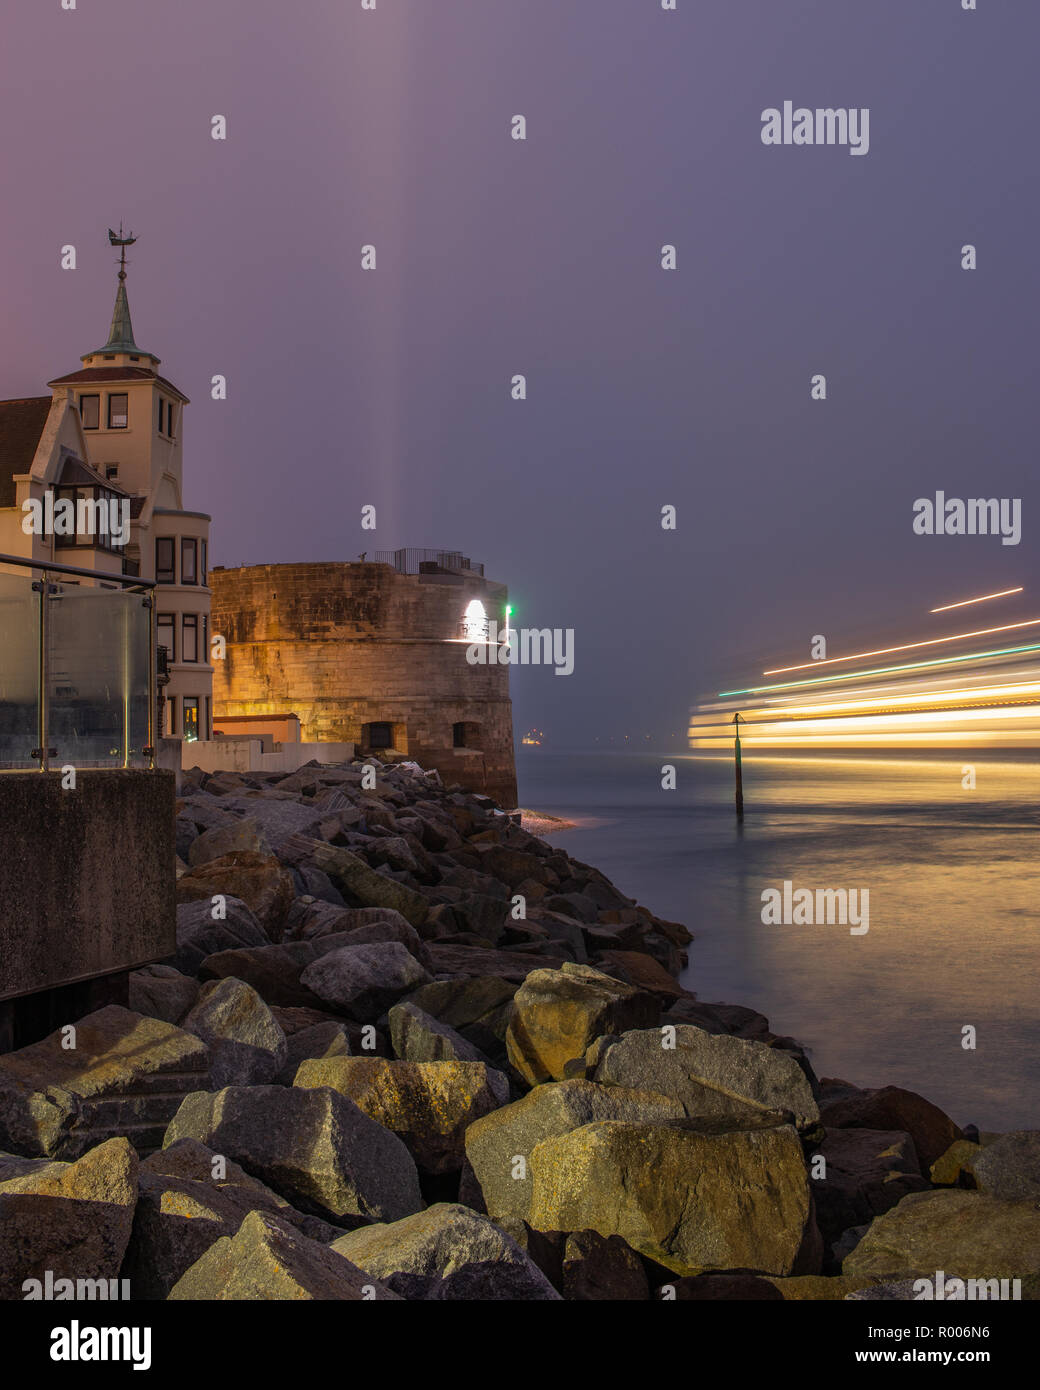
x,y
954,882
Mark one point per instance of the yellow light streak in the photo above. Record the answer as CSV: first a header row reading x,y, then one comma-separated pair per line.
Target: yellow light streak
x,y
907,647
1002,593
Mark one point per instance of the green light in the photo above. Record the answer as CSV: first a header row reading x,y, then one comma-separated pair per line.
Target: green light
x,y
878,671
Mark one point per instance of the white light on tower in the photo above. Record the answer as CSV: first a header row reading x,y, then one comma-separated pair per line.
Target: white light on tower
x,y
475,623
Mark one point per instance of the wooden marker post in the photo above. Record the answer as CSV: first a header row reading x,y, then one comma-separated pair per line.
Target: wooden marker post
x,y
737,769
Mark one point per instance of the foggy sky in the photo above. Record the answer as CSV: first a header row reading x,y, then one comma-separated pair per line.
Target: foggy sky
x,y
496,257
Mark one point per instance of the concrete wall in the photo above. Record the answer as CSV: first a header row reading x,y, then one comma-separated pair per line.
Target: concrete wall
x,y
249,755
345,645
87,879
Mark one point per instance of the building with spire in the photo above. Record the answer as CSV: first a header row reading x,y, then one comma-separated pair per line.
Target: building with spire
x,y
110,437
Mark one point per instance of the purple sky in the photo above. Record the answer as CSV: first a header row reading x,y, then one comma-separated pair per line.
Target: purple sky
x,y
542,257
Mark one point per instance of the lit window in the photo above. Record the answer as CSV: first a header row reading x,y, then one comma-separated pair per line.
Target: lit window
x,y
117,411
191,718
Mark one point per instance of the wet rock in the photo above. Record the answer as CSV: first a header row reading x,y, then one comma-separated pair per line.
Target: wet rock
x,y
688,1199
710,1074
246,1045
314,1146
268,1259
642,971
72,1219
429,1105
445,1253
558,1013
495,1143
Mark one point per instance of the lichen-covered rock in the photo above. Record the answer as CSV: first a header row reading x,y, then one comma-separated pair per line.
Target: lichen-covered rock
x,y
267,1259
314,1146
967,1234
1009,1168
692,1200
447,1252
117,1073
188,1198
710,1074
499,1146
72,1219
430,1105
364,981
246,1045
558,1013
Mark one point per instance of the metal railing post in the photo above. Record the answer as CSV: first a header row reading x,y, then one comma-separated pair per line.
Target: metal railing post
x,y
44,731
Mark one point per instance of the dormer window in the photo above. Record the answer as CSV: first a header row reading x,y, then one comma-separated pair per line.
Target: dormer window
x,y
117,411
90,411
111,470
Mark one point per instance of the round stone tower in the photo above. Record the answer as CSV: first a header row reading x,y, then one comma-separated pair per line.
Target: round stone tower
x,y
374,654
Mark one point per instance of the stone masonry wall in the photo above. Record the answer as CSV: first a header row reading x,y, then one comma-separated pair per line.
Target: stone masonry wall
x,y
343,645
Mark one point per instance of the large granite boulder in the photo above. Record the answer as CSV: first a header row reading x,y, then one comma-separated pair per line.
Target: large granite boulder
x,y
224,839
558,1013
268,1259
246,1045
965,1234
1009,1167
315,1042
430,1105
687,1197
312,1145
499,1146
447,1252
72,1219
710,1074
188,1198
124,1075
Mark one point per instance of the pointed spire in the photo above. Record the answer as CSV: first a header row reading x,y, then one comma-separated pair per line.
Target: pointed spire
x,y
121,331
121,334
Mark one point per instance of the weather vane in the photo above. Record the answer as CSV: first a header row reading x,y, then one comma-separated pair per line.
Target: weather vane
x,y
123,242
